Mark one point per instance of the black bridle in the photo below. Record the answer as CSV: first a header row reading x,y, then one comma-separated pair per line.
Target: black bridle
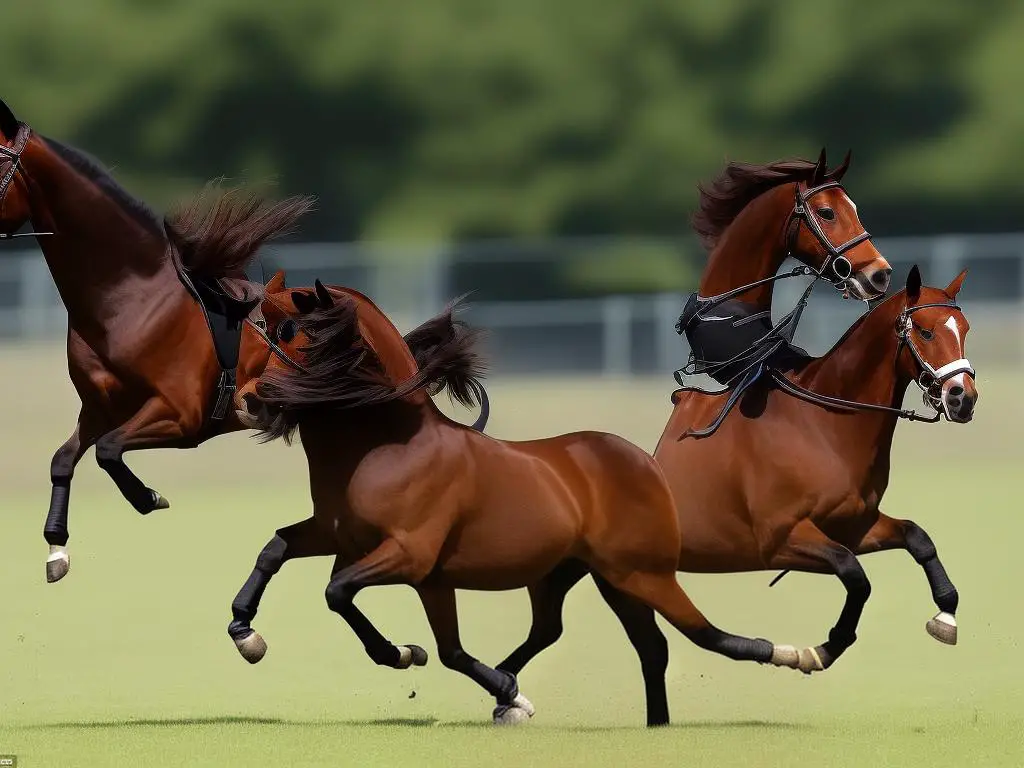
x,y
836,268
929,378
11,157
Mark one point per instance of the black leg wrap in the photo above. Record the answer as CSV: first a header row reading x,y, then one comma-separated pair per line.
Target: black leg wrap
x,y
56,529
243,609
733,646
921,548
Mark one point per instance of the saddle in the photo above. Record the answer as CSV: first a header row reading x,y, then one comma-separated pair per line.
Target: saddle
x,y
734,343
226,304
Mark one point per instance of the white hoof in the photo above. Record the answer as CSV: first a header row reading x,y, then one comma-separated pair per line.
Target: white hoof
x,y
942,627
518,712
57,564
785,656
252,647
810,661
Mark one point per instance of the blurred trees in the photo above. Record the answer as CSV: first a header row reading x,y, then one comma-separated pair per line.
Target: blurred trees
x,y
457,119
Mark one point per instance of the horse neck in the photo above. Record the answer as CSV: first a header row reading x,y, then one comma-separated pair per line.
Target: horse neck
x,y
386,341
751,248
98,248
862,367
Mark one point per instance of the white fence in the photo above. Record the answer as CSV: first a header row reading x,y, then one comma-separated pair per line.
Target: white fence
x,y
611,335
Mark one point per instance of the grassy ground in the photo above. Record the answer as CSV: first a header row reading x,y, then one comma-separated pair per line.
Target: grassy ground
x,y
127,662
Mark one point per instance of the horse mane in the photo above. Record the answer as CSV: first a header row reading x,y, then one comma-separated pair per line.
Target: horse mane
x,y
342,372
736,187
449,347
92,169
219,237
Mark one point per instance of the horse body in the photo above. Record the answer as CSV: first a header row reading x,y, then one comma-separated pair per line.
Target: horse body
x,y
406,496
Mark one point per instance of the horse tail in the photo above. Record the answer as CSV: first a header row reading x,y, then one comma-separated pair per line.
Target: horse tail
x,y
445,350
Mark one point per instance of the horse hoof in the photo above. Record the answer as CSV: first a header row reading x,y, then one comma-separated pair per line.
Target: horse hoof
x,y
252,647
785,656
159,502
57,564
942,627
811,661
516,713
411,656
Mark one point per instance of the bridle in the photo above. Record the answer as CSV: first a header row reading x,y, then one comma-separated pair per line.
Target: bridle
x,y
929,378
11,157
836,268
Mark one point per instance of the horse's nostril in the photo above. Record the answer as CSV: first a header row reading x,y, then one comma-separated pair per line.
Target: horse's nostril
x,y
880,279
956,391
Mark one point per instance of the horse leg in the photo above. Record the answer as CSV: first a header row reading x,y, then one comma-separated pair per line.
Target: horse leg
x,y
389,563
650,645
661,591
889,533
439,605
809,549
546,599
305,539
62,471
154,424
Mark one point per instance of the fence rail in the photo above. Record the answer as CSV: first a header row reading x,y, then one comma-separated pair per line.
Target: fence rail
x,y
605,332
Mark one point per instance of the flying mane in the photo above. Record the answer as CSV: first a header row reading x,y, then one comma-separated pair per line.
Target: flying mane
x,y
737,186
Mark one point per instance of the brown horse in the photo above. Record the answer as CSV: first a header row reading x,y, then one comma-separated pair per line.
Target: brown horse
x,y
140,352
794,479
403,495
750,219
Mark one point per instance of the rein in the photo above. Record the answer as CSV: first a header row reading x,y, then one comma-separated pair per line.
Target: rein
x,y
275,349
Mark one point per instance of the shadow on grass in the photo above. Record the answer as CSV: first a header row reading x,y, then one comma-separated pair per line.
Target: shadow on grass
x,y
397,722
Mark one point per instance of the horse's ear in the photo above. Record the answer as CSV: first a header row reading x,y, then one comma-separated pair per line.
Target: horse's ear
x,y
837,173
326,301
8,122
276,283
304,302
954,287
819,170
913,285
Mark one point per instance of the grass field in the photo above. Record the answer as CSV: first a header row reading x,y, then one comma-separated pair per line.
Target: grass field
x,y
127,661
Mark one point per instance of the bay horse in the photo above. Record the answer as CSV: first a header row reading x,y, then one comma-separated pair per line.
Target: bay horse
x,y
794,478
140,353
750,219
403,495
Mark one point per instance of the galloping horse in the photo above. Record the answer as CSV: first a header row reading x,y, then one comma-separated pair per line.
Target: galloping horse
x,y
794,479
750,218
403,495
140,353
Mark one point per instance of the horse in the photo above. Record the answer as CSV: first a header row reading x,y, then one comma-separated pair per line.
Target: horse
x,y
149,365
749,220
403,495
794,480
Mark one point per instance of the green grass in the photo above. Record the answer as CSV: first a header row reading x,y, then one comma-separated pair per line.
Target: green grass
x,y
127,661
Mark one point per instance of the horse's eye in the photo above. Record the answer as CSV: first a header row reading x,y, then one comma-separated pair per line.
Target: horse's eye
x,y
286,331
827,214
926,334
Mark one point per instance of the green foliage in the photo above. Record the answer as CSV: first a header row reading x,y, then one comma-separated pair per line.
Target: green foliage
x,y
458,119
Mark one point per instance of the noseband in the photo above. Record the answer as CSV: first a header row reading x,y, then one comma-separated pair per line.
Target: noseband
x,y
930,379
11,157
837,269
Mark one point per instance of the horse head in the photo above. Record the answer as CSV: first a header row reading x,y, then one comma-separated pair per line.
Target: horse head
x,y
932,331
